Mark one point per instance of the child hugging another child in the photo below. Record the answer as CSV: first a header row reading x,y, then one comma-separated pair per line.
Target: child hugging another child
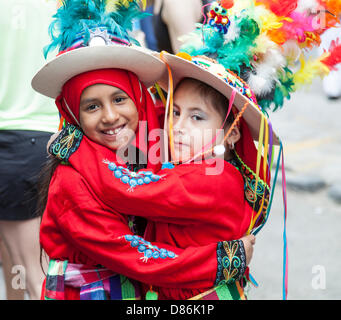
x,y
189,203
197,202
100,90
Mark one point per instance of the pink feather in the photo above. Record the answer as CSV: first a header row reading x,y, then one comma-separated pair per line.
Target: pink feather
x,y
301,24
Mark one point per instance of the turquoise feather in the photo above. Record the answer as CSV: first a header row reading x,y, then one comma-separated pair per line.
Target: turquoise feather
x,y
78,17
232,55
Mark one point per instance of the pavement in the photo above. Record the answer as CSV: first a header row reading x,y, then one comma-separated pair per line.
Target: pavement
x,y
309,127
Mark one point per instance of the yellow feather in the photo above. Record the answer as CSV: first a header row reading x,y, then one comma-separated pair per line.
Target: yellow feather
x,y
263,44
309,70
111,4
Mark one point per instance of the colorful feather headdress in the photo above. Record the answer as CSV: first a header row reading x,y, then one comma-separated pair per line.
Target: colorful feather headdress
x,y
263,41
77,22
91,35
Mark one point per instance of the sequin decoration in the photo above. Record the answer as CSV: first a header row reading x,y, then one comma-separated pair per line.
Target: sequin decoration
x,y
131,178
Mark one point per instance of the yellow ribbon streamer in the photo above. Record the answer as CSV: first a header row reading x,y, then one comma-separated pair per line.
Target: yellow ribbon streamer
x,y
169,107
259,157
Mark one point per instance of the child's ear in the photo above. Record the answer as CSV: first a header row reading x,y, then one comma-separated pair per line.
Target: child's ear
x,y
234,136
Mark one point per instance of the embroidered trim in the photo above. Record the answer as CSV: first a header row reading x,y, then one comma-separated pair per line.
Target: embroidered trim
x,y
251,171
133,179
254,196
148,250
66,143
231,261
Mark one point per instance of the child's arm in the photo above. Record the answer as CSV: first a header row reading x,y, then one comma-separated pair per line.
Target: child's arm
x,y
105,237
186,194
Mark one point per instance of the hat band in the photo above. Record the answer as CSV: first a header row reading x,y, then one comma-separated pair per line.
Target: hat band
x,y
108,38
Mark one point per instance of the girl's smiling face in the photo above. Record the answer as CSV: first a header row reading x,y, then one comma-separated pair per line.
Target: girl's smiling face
x,y
195,122
108,116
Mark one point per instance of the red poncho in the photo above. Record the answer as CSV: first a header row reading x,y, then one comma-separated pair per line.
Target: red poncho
x,y
189,212
79,227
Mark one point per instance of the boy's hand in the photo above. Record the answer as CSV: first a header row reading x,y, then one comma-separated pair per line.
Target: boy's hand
x,y
248,241
52,138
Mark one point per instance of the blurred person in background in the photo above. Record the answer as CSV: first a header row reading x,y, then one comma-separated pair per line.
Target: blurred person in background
x,y
148,28
174,18
26,122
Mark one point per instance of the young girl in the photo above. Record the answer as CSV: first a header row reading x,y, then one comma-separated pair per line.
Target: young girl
x,y
79,232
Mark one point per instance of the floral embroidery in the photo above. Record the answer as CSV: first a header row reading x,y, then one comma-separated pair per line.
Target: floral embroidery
x,y
131,178
66,143
254,196
148,250
231,261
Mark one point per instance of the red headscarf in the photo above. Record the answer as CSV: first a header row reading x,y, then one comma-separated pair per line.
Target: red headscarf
x,y
68,101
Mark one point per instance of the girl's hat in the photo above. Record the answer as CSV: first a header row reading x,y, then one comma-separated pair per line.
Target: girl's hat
x,y
226,82
92,35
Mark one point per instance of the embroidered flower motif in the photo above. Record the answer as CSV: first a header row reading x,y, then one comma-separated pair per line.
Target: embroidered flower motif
x,y
231,261
66,143
148,250
131,178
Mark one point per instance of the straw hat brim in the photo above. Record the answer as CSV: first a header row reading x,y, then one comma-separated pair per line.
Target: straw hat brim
x,y
182,68
50,79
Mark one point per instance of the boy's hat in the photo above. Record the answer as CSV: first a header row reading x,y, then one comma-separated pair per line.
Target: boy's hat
x,y
91,35
265,43
258,47
215,75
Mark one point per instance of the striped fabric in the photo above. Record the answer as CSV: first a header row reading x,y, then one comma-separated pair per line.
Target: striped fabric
x,y
54,288
231,291
94,283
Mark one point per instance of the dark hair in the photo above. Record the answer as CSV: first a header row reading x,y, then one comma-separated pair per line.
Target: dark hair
x,y
43,185
44,180
211,96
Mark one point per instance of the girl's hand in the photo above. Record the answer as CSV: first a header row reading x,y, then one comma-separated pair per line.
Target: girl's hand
x,y
53,137
248,241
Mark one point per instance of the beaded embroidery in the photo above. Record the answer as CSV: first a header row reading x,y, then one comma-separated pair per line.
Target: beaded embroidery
x,y
131,178
149,251
226,75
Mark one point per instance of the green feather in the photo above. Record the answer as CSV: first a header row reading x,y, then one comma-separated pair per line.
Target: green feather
x,y
233,54
282,91
76,18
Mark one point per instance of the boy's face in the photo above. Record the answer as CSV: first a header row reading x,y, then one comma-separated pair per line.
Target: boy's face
x,y
108,116
195,122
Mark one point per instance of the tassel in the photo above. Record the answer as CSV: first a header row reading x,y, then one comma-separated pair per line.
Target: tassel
x,y
61,123
152,295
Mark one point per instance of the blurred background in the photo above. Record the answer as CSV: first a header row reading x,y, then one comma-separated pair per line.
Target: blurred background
x,y
309,127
